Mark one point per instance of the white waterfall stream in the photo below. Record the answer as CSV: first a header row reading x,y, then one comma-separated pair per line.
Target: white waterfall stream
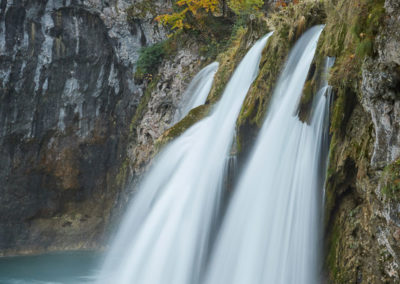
x,y
172,232
271,228
197,91
165,235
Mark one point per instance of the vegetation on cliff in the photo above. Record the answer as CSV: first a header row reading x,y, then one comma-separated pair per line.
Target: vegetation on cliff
x,y
352,226
351,28
288,25
190,119
390,181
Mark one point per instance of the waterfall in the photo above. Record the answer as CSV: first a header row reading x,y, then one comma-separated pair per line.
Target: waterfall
x,y
270,233
197,91
165,235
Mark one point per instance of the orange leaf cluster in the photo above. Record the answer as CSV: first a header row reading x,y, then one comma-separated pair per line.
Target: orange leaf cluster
x,y
283,3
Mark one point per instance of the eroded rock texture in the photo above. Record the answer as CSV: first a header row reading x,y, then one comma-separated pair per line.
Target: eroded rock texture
x,y
163,96
165,99
363,229
381,89
67,97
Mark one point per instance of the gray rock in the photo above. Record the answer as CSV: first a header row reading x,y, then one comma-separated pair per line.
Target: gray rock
x,y
174,75
381,89
67,97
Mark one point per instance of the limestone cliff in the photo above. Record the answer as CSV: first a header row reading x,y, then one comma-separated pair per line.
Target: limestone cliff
x,y
76,129
67,97
362,216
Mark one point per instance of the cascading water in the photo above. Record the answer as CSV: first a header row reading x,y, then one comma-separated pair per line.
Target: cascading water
x,y
197,91
270,232
165,235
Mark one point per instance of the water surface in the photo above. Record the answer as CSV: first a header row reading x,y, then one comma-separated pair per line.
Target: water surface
x,y
58,268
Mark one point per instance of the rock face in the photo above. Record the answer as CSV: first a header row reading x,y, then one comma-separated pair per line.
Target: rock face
x,y
363,228
174,76
163,96
381,89
381,99
67,97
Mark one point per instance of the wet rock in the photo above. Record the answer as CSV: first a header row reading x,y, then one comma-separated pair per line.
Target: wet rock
x,y
67,97
381,98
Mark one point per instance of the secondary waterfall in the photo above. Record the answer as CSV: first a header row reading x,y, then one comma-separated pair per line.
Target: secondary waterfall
x,y
165,236
271,229
197,91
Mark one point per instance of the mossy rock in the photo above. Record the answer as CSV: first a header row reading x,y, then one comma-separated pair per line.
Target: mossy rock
x,y
314,81
144,101
189,120
228,61
347,21
288,25
349,35
244,35
390,182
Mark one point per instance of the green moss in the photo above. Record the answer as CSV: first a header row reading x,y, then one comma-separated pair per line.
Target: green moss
x,y
189,120
313,84
337,115
228,61
364,48
254,106
143,104
288,25
332,254
349,36
122,174
244,33
390,181
150,58
306,99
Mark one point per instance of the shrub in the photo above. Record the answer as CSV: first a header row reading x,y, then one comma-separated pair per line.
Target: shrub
x,y
149,59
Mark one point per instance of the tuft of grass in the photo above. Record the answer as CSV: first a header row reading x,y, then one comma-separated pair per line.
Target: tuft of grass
x,y
150,58
364,48
390,181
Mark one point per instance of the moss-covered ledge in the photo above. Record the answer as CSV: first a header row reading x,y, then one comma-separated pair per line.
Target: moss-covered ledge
x,y
313,84
189,120
236,48
288,25
244,35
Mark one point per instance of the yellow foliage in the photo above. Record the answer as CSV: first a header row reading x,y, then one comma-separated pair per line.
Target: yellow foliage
x,y
197,8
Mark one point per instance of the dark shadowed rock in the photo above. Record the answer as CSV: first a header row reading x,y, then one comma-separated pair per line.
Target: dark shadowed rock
x,y
67,97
